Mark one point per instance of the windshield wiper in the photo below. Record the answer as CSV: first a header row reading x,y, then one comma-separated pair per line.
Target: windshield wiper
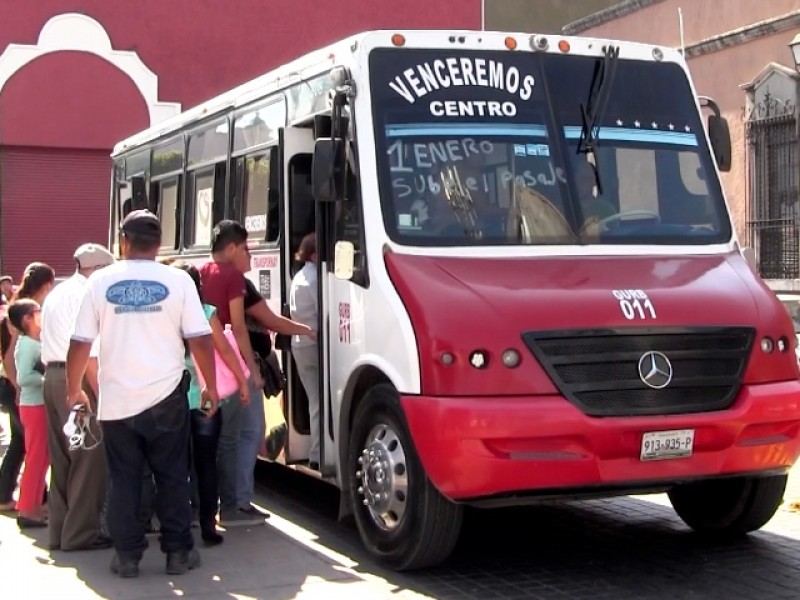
x,y
592,113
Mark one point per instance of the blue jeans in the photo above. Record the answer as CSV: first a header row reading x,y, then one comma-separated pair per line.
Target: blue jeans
x,y
251,436
228,453
158,437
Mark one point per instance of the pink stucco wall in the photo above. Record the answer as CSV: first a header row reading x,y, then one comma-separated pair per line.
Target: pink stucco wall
x,y
658,23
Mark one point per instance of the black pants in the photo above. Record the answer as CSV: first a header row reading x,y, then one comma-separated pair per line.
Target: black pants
x,y
158,438
205,440
15,454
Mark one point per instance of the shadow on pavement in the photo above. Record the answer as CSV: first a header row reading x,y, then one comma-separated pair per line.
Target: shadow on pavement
x,y
253,562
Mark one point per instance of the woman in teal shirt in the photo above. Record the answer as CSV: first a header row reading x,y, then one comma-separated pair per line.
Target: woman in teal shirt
x,y
207,424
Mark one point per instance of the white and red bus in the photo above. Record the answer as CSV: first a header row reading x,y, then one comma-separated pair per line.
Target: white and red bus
x,y
530,284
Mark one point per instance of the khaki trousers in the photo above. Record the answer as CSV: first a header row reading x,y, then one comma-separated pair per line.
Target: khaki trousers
x,y
77,477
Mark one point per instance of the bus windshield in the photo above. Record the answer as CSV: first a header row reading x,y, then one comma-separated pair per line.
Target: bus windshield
x,y
490,148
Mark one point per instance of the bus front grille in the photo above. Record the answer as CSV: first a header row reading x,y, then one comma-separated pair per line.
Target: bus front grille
x,y
645,371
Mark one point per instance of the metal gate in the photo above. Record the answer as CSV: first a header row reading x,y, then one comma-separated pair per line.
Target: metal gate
x,y
774,177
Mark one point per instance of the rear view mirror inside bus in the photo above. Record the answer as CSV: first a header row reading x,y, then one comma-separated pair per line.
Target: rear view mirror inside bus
x,y
327,170
344,260
720,136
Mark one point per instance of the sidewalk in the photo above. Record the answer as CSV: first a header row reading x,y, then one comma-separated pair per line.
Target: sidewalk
x,y
276,561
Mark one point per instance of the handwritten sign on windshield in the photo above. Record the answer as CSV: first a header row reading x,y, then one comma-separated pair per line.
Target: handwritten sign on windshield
x,y
488,167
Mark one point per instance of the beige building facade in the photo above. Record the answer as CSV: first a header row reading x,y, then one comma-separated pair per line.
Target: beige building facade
x,y
738,54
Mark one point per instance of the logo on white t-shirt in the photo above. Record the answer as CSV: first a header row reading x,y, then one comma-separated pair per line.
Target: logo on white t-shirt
x,y
135,296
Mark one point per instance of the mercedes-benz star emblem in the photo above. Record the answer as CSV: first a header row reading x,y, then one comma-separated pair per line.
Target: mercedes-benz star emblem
x,y
655,370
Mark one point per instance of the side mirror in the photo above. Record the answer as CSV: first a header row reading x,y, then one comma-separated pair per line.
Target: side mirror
x,y
327,168
344,260
720,135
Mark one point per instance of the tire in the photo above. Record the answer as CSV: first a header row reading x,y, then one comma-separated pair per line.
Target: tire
x,y
729,507
413,526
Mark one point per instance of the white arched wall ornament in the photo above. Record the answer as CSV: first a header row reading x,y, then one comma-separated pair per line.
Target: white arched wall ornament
x,y
72,31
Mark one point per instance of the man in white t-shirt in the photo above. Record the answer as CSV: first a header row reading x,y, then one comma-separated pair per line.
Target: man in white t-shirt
x,y
142,312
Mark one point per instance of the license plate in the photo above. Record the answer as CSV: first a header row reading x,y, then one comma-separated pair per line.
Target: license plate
x,y
658,445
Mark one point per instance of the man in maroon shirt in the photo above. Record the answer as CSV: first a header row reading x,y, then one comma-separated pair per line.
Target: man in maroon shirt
x,y
223,286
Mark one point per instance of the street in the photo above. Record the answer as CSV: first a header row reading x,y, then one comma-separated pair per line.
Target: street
x,y
621,548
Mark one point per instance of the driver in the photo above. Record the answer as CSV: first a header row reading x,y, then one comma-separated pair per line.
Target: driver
x,y
419,210
593,208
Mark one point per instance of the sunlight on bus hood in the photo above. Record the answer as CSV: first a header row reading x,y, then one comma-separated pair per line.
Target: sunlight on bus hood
x,y
458,305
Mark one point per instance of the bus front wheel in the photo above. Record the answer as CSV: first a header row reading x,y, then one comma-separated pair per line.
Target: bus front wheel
x,y
401,517
729,506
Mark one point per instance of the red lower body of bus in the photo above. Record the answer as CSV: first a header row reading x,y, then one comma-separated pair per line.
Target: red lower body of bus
x,y
475,448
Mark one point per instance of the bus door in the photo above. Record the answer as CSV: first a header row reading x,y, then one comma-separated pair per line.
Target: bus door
x,y
300,218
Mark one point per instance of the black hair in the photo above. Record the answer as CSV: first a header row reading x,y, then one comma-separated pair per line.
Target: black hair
x,y
19,310
228,232
142,242
37,275
308,248
194,273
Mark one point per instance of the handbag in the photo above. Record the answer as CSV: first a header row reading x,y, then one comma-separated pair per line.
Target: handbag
x,y
226,380
271,373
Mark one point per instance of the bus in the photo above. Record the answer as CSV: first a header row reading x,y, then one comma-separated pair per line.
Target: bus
x,y
530,285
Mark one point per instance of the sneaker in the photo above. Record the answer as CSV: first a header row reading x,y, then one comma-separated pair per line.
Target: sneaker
x,y
254,511
238,518
180,561
124,567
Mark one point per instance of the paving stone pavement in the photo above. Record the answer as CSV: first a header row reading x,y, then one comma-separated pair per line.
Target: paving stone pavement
x,y
622,548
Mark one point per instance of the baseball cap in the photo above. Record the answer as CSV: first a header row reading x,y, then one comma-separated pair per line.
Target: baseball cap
x,y
141,222
90,256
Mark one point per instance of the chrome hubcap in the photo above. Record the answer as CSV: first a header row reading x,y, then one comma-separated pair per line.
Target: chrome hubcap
x,y
382,477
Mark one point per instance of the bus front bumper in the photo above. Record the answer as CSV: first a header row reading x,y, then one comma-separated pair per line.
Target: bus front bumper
x,y
483,447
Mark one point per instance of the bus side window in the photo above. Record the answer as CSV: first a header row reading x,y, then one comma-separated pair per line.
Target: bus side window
x,y
137,195
257,196
164,203
205,204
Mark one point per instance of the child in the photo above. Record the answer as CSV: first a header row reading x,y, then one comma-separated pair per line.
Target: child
x,y
24,316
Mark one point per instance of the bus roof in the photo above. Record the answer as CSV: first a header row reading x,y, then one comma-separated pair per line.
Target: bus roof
x,y
293,72
314,63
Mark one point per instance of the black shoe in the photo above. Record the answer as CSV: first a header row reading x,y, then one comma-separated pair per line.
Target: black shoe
x,y
210,536
180,561
28,523
124,567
